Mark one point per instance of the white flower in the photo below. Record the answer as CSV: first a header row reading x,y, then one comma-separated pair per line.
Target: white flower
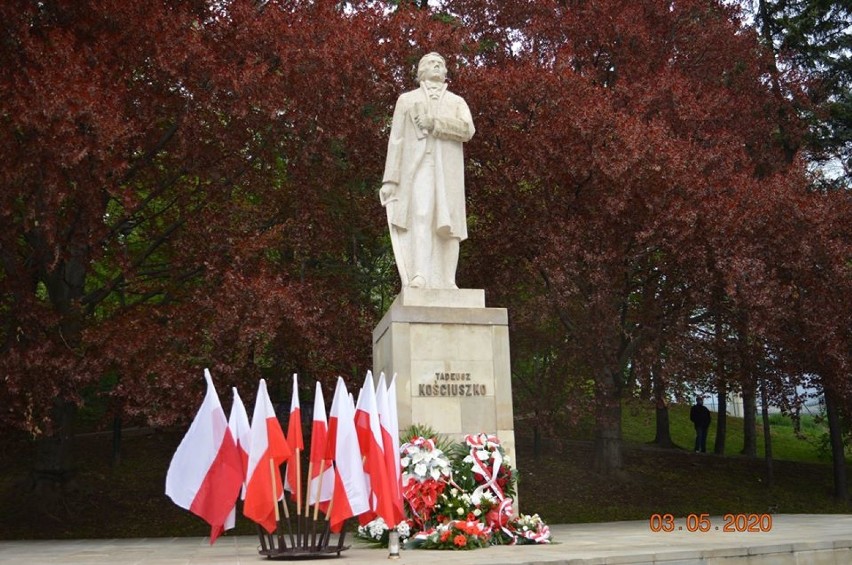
x,y
482,455
404,461
477,512
376,528
454,491
435,473
460,511
420,469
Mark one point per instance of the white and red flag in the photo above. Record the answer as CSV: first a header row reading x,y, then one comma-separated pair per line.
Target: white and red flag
x,y
372,448
238,423
351,496
390,447
293,479
268,451
321,480
331,439
394,424
205,473
240,428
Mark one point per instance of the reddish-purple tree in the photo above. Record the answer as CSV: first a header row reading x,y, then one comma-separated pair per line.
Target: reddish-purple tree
x,y
614,140
188,184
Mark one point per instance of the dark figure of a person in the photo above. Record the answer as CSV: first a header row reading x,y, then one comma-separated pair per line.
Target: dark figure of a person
x,y
700,417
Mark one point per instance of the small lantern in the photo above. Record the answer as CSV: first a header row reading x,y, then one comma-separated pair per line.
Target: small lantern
x,y
393,544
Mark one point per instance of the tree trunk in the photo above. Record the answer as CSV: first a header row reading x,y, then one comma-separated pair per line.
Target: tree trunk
x,y
838,451
749,420
721,418
54,465
608,456
663,436
536,442
767,437
116,440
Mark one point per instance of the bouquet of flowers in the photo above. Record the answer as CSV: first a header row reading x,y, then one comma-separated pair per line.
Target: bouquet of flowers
x,y
454,504
463,501
425,472
422,461
530,529
455,534
485,466
377,531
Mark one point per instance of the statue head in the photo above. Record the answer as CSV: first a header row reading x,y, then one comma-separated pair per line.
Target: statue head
x,y
432,67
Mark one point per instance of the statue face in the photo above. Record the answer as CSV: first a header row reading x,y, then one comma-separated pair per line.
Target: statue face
x,y
432,68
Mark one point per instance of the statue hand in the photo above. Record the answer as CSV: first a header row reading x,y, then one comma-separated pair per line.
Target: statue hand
x,y
386,192
425,122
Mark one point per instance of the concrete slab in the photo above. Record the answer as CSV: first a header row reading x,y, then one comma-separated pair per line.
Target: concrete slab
x,y
794,538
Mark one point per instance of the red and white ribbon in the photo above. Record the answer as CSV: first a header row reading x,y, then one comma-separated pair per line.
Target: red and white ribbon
x,y
479,443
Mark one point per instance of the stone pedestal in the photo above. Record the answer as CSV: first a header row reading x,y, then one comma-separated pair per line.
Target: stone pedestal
x,y
450,355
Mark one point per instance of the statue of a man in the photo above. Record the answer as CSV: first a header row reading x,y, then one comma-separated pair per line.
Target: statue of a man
x,y
423,185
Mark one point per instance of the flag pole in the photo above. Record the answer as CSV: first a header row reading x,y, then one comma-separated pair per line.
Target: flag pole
x,y
326,536
298,485
297,493
308,490
274,493
316,499
319,489
284,503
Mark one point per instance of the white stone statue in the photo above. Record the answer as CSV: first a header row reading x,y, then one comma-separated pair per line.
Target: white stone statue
x,y
423,185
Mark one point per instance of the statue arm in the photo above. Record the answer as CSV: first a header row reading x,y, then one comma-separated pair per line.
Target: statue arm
x,y
393,161
455,128
387,193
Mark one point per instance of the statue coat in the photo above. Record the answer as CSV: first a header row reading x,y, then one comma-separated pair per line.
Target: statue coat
x,y
407,147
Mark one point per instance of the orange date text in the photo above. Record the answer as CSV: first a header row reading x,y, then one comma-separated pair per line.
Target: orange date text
x,y
703,523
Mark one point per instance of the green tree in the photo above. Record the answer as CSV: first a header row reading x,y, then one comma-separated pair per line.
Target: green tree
x,y
812,38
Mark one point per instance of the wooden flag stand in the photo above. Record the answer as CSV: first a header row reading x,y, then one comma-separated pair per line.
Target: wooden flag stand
x,y
305,543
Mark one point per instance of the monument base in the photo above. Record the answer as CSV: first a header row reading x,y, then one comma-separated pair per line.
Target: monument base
x,y
450,355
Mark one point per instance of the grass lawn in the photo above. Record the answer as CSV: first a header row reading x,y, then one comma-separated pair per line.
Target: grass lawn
x,y
128,500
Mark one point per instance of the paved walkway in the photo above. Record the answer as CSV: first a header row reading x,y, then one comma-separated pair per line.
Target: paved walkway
x,y
793,538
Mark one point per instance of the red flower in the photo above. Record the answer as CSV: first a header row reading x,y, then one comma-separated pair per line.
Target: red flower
x,y
445,535
471,517
460,541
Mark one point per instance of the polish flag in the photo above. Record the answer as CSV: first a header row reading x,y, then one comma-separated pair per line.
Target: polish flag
x,y
331,439
362,429
205,473
293,480
240,428
393,416
375,465
350,488
238,423
390,447
321,485
362,418
268,451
